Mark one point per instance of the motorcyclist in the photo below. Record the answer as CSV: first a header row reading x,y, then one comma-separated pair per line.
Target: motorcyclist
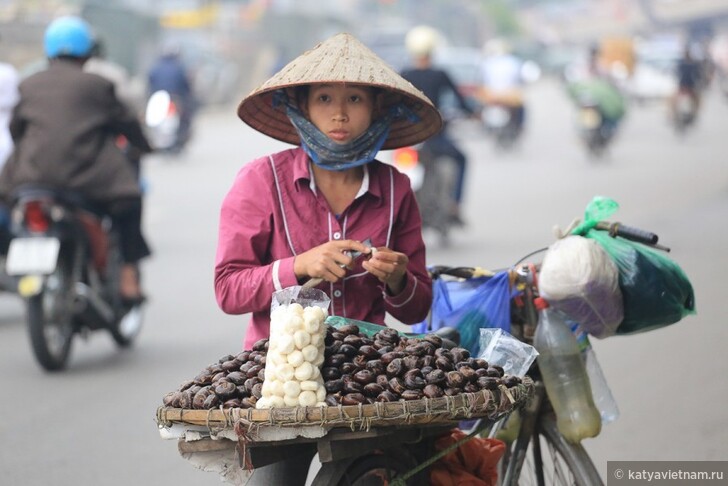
x,y
689,73
421,42
64,128
169,74
502,79
597,88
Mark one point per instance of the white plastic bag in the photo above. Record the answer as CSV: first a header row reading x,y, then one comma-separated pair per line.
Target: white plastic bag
x,y
580,279
500,348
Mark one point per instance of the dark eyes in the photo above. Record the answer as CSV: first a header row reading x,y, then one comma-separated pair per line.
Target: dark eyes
x,y
324,98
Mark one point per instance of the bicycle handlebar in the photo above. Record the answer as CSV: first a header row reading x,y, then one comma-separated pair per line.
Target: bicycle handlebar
x,y
631,233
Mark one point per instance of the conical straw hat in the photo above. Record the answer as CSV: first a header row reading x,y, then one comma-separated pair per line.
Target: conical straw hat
x,y
341,58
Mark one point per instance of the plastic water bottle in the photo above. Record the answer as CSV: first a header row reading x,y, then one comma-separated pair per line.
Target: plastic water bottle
x,y
601,393
564,375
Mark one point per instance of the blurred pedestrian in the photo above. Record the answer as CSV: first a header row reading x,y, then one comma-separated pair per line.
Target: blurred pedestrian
x,y
9,97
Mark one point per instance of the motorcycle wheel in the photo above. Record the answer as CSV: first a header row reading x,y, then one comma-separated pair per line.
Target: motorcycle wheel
x,y
435,197
596,142
50,319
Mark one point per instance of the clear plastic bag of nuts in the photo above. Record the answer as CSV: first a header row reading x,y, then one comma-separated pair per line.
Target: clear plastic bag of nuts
x,y
295,349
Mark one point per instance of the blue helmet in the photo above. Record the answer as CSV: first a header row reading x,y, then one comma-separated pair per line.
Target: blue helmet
x,y
68,36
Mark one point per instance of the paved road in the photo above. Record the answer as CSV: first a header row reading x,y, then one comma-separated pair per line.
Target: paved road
x,y
93,425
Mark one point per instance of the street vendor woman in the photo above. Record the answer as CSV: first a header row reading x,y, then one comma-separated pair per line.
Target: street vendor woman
x,y
303,213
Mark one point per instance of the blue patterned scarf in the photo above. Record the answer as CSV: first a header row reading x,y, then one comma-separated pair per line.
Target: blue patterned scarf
x,y
329,155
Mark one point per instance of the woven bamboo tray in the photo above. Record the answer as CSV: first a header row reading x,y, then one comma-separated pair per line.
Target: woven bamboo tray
x,y
486,403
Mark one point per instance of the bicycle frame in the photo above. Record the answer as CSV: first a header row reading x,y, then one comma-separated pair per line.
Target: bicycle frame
x,y
537,419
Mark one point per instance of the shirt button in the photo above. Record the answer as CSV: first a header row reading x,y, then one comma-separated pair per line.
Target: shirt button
x,y
337,236
337,293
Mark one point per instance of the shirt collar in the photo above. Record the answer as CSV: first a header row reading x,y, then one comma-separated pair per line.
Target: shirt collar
x,y
362,190
302,171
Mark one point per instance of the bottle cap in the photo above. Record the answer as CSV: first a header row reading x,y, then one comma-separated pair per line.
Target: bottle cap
x,y
540,303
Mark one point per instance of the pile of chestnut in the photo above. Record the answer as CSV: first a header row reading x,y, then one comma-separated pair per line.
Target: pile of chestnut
x,y
390,367
356,369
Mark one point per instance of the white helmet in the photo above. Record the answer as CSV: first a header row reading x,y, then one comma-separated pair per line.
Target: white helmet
x,y
422,40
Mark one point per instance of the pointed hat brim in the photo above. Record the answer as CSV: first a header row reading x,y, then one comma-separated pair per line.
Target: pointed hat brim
x,y
341,59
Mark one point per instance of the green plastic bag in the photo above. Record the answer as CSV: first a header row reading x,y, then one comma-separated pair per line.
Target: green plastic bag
x,y
655,290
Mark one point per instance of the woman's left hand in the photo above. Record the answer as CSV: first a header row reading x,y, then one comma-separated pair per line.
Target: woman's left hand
x,y
389,267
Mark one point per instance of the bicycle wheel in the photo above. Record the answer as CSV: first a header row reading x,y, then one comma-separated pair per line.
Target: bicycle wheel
x,y
547,459
376,469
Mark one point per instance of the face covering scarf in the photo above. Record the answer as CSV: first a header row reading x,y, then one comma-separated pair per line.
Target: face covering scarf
x,y
329,155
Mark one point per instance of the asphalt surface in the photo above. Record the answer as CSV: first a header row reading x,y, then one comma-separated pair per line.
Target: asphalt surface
x,y
94,424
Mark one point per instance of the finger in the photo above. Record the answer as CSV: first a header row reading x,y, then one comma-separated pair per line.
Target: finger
x,y
335,271
375,269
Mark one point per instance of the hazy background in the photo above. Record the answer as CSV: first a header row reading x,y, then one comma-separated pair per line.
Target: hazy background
x,y
93,424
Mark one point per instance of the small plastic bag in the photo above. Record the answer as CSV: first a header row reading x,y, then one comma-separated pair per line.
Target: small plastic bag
x,y
500,348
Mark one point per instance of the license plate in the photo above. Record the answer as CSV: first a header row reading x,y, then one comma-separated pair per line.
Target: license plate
x,y
32,256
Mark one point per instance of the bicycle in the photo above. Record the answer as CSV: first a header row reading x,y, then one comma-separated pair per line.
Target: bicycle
x,y
536,452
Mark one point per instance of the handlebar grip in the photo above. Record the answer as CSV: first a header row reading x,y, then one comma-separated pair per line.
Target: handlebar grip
x,y
629,232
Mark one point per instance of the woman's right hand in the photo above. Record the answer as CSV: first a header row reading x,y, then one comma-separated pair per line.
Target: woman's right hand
x,y
328,261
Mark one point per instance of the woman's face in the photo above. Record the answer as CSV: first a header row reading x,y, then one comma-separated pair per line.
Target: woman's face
x,y
341,111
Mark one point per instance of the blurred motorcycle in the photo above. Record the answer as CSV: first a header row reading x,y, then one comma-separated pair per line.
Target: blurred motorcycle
x,y
163,123
684,111
600,107
433,177
65,256
503,122
595,130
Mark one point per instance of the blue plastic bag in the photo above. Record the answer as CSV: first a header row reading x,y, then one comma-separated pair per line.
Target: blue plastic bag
x,y
469,305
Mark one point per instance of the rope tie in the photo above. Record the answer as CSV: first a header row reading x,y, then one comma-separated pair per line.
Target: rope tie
x,y
244,460
162,418
207,419
378,409
507,393
324,419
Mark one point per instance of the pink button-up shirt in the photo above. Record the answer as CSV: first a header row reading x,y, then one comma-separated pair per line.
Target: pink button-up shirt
x,y
273,212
